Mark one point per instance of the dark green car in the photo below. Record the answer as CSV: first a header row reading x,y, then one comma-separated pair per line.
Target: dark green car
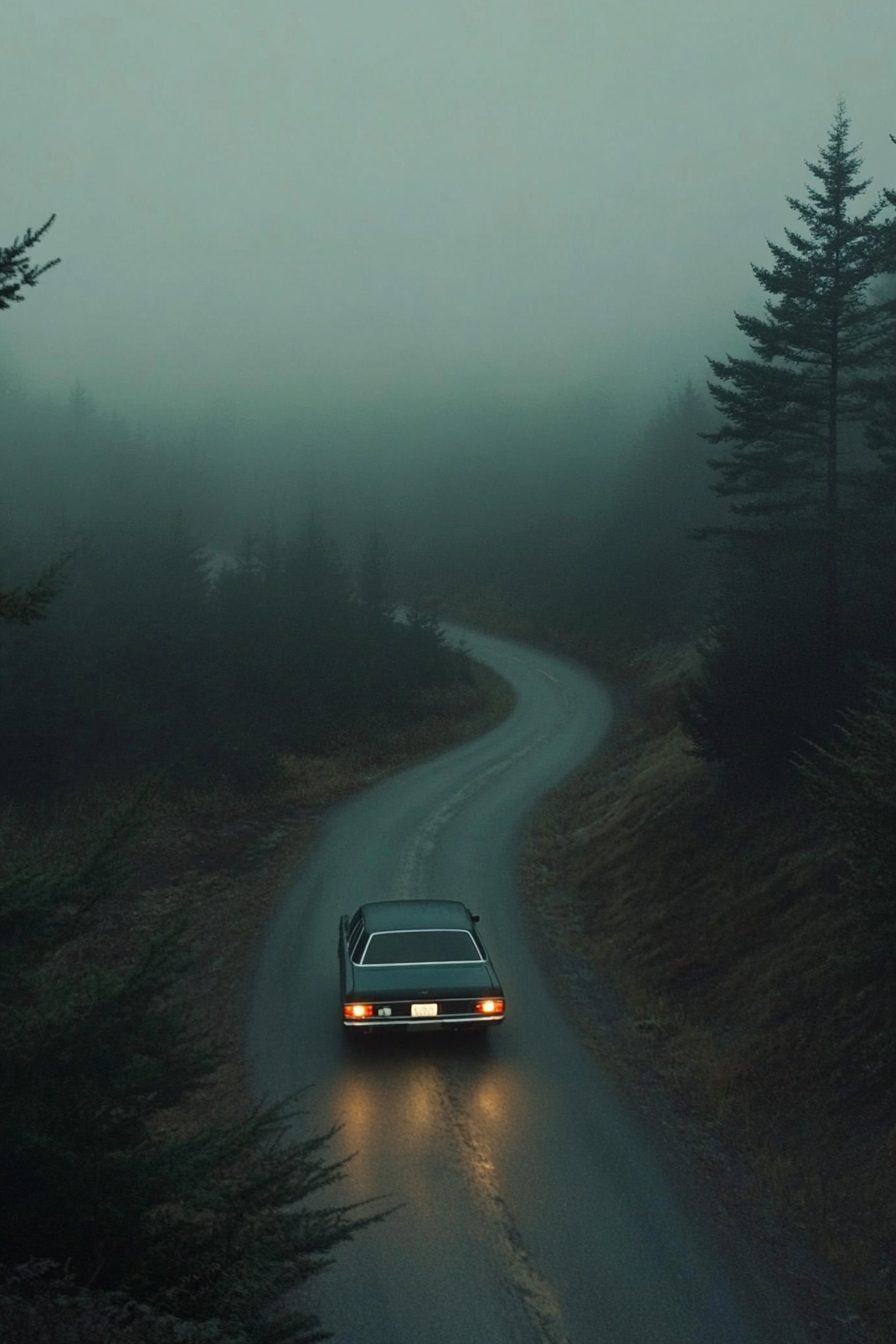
x,y
416,964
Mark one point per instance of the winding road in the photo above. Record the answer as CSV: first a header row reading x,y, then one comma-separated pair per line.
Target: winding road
x,y
533,1210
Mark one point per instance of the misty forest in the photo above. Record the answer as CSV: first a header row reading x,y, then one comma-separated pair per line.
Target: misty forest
x,y
186,610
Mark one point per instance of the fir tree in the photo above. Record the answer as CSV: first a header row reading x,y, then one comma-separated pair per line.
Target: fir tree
x,y
17,272
214,1224
792,423
22,605
29,602
372,587
882,388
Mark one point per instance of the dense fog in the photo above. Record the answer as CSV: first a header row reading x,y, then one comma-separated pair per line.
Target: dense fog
x,y
303,208
448,276
573,322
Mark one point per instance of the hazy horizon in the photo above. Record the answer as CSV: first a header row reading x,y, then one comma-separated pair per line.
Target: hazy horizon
x,y
316,209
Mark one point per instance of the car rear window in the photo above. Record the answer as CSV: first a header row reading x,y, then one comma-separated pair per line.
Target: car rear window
x,y
420,945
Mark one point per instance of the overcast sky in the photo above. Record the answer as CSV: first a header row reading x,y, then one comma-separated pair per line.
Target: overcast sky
x,y
314,200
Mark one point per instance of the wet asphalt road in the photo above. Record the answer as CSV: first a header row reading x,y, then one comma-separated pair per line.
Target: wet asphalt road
x,y
532,1208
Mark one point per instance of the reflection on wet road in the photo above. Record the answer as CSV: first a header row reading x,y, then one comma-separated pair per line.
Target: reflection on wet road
x,y
437,1112
530,1209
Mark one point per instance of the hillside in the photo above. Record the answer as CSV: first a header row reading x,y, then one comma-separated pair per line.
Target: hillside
x,y
724,989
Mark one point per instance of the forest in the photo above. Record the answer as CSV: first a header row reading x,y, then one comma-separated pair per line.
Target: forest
x,y
162,621
136,665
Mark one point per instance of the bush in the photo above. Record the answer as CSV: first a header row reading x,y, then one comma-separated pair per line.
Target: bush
x,y
212,1225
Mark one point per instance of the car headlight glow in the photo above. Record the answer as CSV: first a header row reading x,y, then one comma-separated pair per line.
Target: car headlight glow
x,y
354,1012
489,1007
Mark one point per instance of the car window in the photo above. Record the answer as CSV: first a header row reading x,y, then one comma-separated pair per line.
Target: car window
x,y
416,946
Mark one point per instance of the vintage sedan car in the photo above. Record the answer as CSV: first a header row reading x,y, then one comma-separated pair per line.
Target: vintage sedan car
x,y
408,965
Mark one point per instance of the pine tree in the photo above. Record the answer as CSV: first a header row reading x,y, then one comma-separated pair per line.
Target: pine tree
x,y
882,389
30,602
16,269
376,609
212,1224
659,583
792,425
21,606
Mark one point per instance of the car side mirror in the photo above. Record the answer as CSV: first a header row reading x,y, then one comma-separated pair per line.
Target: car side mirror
x,y
475,919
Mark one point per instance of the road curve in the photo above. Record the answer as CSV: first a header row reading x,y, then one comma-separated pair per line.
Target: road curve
x,y
533,1210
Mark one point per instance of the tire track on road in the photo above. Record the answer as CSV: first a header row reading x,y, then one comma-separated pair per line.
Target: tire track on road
x,y
522,1275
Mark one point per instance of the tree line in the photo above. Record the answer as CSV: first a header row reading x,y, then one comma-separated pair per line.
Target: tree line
x,y
756,516
159,654
157,659
797,681
131,653
134,650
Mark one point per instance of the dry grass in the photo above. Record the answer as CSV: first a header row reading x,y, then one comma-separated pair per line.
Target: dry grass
x,y
716,918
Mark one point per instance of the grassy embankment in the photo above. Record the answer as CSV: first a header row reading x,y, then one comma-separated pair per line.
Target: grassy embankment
x,y
714,916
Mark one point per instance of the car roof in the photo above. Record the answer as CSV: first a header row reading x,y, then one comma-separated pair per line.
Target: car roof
x,y
380,916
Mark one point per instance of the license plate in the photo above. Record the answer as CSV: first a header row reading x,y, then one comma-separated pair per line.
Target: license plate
x,y
424,1010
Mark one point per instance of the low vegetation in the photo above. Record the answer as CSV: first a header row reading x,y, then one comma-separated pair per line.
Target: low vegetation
x,y
106,1201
